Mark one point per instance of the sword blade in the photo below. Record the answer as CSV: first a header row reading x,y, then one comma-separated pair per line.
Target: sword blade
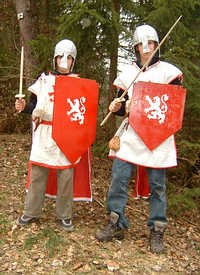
x,y
20,95
21,71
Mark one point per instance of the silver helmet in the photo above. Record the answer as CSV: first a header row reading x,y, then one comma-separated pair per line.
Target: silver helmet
x,y
64,48
143,34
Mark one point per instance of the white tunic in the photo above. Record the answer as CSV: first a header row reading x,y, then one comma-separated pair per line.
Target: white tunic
x,y
132,149
44,151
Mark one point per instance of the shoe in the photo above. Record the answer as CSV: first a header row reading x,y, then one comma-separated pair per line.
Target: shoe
x,y
66,224
156,238
24,220
111,230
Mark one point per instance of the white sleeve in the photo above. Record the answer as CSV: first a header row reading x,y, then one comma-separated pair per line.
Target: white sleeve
x,y
171,72
125,78
36,86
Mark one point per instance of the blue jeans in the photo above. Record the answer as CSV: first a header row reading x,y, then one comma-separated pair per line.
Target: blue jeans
x,y
118,196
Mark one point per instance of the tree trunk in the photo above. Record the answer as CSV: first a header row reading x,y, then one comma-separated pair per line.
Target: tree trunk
x,y
113,67
24,15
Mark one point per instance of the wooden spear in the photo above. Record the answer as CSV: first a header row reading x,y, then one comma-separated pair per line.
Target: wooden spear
x,y
143,67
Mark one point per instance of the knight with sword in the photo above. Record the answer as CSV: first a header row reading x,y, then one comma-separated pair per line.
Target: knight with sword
x,y
134,137
53,149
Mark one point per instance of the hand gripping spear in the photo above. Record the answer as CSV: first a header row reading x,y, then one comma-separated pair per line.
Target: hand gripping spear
x,y
20,95
143,67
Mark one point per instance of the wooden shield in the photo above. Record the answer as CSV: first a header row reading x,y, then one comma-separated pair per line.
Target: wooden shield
x,y
156,111
74,115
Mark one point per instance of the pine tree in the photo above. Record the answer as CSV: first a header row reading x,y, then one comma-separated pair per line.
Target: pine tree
x,y
183,49
95,27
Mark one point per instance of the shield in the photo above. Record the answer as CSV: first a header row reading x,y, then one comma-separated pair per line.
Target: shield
x,y
74,115
156,111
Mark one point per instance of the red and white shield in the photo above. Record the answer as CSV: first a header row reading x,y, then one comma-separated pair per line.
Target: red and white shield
x,y
74,115
156,111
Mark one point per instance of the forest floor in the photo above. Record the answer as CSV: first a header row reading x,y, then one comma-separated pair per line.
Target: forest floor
x,y
44,248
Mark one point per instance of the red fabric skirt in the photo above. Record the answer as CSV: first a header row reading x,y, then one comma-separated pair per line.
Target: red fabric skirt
x,y
82,180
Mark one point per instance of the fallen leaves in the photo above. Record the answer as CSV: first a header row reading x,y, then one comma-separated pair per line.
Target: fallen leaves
x,y
44,248
112,266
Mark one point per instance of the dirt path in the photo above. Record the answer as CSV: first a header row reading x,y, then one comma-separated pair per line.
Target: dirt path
x,y
43,248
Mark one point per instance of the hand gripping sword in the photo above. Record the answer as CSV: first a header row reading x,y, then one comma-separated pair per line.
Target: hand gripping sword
x,y
143,67
20,95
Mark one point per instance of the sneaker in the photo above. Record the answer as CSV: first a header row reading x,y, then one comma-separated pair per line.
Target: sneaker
x,y
66,224
111,230
24,220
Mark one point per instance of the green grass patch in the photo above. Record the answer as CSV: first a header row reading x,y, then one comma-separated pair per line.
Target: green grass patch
x,y
52,241
189,199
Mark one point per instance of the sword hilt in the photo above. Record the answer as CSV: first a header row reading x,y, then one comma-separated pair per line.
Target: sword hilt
x,y
20,96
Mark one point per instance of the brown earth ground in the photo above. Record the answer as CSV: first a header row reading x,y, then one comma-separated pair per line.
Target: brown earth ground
x,y
43,248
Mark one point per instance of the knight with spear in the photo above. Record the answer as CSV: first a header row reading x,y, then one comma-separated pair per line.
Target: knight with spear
x,y
143,138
